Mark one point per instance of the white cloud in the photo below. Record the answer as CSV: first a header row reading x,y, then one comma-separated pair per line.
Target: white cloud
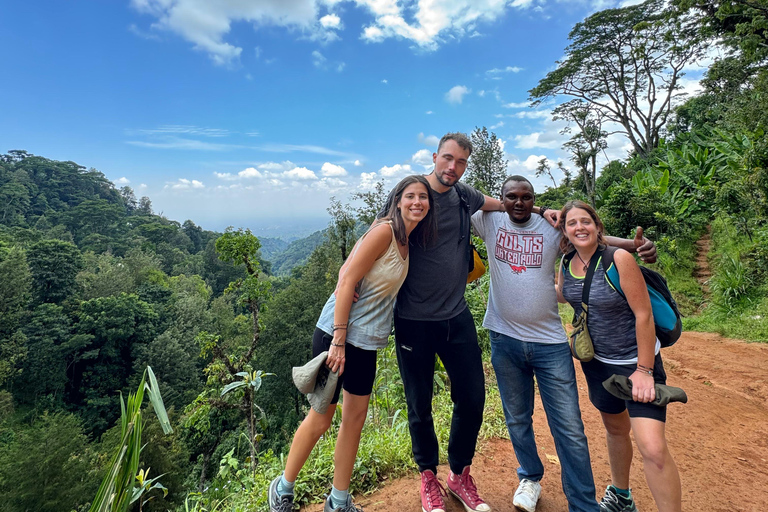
x,y
183,129
384,81
144,35
122,181
300,173
533,114
538,140
184,184
500,71
182,143
396,170
318,60
250,173
205,24
496,126
522,104
330,169
532,162
330,21
422,157
433,21
429,112
368,180
340,66
427,23
456,94
358,163
429,140
143,186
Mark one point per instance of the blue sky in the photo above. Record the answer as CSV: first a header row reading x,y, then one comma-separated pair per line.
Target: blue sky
x,y
254,113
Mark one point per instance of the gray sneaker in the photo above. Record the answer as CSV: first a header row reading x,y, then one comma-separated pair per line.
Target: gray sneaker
x,y
615,502
347,507
277,502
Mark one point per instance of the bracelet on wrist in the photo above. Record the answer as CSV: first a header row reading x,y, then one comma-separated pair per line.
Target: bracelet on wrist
x,y
339,329
644,369
338,344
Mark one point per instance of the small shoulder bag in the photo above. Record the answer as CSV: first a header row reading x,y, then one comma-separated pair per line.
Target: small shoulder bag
x,y
579,339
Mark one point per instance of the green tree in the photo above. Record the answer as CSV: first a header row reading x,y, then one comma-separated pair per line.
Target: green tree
x,y
232,381
47,466
627,63
587,143
48,333
117,327
341,230
487,167
15,287
54,266
373,201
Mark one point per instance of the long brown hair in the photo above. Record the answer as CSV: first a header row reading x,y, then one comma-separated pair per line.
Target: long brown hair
x,y
565,245
426,230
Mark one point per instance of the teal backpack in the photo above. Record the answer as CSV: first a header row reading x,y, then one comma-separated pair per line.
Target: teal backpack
x,y
666,316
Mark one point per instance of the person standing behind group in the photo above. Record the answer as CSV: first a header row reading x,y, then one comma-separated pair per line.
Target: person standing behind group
x,y
432,319
528,340
624,339
351,333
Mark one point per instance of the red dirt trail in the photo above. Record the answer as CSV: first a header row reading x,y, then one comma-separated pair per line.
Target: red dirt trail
x,y
719,439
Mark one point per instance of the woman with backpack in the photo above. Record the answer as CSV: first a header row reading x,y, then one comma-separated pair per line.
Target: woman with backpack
x,y
622,330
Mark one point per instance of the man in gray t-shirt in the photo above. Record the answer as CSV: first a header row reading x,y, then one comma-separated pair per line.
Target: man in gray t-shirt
x,y
528,340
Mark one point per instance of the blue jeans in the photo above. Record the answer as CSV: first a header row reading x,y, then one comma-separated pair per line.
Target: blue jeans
x,y
516,363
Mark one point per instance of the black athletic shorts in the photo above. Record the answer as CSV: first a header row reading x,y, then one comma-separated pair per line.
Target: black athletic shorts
x,y
359,366
596,372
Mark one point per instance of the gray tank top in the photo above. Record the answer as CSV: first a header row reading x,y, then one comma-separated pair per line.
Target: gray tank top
x,y
611,321
370,318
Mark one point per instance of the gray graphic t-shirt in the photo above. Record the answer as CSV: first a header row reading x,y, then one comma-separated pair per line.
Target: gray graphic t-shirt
x,y
522,301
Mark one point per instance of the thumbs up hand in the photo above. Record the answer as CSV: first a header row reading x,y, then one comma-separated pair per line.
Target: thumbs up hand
x,y
638,237
644,247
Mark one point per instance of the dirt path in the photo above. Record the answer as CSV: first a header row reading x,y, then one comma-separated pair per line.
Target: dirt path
x,y
719,439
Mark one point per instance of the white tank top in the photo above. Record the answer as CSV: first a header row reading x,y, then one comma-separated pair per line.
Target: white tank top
x,y
370,318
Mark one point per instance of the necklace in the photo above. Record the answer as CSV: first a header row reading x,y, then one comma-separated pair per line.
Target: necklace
x,y
582,261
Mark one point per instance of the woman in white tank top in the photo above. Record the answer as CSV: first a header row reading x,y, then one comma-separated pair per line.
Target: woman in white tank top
x,y
352,330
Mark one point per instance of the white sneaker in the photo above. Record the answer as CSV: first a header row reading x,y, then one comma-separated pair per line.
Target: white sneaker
x,y
527,495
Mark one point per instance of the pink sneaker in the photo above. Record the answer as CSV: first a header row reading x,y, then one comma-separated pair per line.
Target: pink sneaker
x,y
463,487
431,493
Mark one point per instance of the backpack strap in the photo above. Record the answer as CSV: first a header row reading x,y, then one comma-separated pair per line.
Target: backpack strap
x,y
608,260
465,226
590,273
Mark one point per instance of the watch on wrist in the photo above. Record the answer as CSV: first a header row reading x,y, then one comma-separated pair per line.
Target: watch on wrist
x,y
543,209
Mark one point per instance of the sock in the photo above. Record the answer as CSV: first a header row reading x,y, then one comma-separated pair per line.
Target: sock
x,y
338,498
284,486
624,493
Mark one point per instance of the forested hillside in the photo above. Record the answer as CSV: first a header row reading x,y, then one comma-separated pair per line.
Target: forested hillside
x,y
94,286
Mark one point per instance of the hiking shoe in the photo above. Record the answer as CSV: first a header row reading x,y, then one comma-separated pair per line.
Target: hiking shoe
x,y
463,487
347,507
527,495
431,493
615,502
278,503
